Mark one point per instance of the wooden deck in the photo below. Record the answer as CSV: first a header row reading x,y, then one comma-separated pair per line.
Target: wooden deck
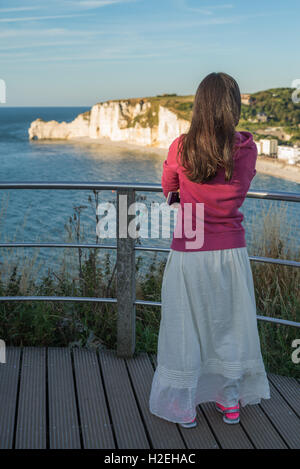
x,y
57,398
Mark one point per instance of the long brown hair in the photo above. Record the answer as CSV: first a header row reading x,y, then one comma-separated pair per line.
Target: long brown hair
x,y
209,143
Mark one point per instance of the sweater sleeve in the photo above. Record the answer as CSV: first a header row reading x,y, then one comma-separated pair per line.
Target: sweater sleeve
x,y
246,174
170,178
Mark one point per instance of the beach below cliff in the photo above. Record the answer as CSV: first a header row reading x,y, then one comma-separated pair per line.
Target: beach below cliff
x,y
118,145
264,165
278,168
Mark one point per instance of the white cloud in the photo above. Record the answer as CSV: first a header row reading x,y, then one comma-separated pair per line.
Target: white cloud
x,y
86,4
76,58
9,10
100,3
50,32
36,18
34,45
204,9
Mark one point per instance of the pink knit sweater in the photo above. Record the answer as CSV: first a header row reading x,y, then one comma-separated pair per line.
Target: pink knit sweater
x,y
209,217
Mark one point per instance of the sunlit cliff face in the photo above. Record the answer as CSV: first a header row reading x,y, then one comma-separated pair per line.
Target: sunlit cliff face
x,y
119,121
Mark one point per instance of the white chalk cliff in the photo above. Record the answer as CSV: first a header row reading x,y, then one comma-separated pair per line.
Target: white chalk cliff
x,y
137,122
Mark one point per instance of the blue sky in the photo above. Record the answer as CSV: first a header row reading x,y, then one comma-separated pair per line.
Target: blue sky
x,y
78,52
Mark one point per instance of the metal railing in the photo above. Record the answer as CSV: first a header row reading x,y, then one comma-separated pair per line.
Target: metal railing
x,y
126,247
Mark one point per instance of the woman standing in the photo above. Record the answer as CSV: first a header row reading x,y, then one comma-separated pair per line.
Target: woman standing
x,y
208,344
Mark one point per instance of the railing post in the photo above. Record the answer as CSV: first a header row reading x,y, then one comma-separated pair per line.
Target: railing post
x,y
125,276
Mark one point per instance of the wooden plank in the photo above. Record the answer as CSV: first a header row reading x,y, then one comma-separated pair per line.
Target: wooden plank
x,y
228,436
31,422
163,434
289,388
127,423
260,430
199,437
9,378
284,419
95,424
273,424
63,420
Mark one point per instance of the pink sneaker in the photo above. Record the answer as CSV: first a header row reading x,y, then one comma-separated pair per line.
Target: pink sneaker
x,y
230,414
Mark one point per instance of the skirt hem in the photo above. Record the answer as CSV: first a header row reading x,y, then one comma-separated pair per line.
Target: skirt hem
x,y
251,401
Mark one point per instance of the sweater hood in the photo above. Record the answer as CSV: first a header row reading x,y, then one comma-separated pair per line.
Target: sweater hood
x,y
244,143
244,139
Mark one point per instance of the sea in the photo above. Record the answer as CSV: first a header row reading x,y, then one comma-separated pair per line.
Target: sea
x,y
52,215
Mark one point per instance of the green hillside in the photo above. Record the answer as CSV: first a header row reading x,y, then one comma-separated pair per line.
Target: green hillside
x,y
277,104
180,105
274,105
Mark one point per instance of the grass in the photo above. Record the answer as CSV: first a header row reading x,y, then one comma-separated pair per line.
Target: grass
x,y
276,103
94,275
277,291
180,105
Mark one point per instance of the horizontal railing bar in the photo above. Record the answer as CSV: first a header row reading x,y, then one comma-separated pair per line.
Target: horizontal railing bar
x,y
82,186
114,300
286,196
59,298
267,260
146,303
270,260
284,322
152,249
57,245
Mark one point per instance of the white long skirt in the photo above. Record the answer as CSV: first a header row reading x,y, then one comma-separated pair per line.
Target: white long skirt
x,y
208,343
